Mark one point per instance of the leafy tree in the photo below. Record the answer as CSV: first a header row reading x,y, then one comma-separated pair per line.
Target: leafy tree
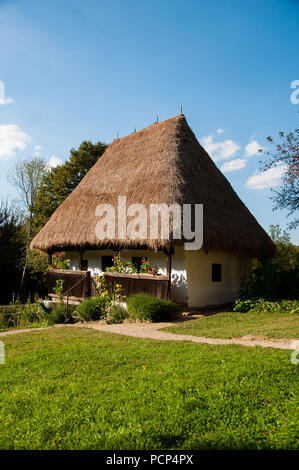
x,y
11,251
286,255
286,152
57,184
26,177
276,278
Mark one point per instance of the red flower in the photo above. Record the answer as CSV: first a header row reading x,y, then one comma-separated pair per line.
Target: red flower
x,y
114,257
142,261
149,268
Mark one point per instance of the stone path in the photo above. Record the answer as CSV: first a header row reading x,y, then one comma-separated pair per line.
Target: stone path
x,y
152,331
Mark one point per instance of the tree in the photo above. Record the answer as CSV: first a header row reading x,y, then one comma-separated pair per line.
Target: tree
x,y
276,278
26,177
286,255
57,184
287,153
11,251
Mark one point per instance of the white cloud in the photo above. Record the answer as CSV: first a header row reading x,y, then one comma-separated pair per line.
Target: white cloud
x,y
12,138
221,150
3,99
267,179
37,148
252,148
220,131
53,162
233,165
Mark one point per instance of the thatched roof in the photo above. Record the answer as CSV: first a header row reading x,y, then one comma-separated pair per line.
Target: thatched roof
x,y
163,163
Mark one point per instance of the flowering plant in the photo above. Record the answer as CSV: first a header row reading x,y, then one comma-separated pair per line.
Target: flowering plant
x,y
146,268
59,262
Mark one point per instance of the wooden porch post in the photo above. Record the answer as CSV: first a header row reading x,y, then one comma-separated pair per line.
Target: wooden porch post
x,y
169,252
80,262
49,257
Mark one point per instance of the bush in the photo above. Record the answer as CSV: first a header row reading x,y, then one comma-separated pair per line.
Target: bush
x,y
261,305
146,307
115,314
269,282
17,315
60,314
92,308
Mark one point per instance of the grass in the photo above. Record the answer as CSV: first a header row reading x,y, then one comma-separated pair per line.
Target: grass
x,y
73,388
234,324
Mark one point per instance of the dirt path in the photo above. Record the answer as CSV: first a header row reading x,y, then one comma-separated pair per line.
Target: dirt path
x,y
152,331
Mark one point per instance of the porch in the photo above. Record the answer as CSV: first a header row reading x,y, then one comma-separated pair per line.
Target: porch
x,y
78,285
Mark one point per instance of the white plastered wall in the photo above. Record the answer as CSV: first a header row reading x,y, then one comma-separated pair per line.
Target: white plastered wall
x,y
202,290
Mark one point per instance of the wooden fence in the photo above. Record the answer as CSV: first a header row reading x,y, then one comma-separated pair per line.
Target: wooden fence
x,y
140,283
79,284
76,283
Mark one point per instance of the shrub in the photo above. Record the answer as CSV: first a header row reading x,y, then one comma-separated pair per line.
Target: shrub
x,y
146,307
261,305
16,315
92,308
61,314
269,282
115,314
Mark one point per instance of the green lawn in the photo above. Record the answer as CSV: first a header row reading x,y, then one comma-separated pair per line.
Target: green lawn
x,y
73,388
234,324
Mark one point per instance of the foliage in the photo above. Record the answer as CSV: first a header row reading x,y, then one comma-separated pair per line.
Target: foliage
x,y
34,279
132,393
276,278
61,314
147,268
91,309
113,291
59,289
280,323
11,251
120,266
286,254
26,177
17,315
147,307
287,153
261,305
115,313
59,262
57,183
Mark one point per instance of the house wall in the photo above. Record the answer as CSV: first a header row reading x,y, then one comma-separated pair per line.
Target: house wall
x,y
191,274
201,290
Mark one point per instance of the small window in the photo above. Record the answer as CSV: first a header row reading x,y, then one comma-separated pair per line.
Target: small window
x,y
84,265
137,260
107,262
216,272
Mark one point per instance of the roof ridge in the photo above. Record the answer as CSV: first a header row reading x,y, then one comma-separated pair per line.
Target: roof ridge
x,y
157,123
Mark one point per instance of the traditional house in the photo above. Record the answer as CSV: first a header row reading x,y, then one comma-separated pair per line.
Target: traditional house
x,y
163,163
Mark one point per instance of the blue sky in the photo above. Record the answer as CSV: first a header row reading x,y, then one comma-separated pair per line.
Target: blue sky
x,y
88,70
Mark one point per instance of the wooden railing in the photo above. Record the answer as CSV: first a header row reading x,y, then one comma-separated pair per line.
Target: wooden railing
x,y
157,286
76,283
79,284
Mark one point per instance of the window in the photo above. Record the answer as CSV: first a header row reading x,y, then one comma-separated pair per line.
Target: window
x,y
107,262
84,265
137,261
216,272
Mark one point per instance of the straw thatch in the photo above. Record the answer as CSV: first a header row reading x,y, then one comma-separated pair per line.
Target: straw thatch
x,y
163,163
